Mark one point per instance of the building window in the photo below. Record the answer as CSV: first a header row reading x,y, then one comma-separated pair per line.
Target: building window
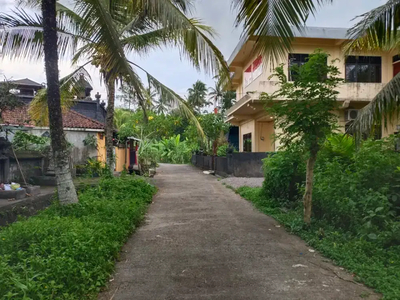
x,y
363,69
247,142
296,60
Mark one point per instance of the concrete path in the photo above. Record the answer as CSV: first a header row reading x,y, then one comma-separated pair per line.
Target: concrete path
x,y
202,241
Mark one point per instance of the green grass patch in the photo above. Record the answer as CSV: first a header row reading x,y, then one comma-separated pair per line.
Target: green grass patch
x,y
68,252
372,264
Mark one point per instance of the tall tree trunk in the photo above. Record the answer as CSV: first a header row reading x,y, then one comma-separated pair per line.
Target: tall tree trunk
x,y
143,106
110,84
65,186
307,199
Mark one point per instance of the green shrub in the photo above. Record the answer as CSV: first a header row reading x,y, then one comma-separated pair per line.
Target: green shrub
x,y
370,261
173,150
284,173
359,193
356,205
68,252
222,150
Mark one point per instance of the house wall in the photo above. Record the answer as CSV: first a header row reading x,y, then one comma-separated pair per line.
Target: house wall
x,y
120,155
391,127
353,91
356,95
264,137
79,153
101,147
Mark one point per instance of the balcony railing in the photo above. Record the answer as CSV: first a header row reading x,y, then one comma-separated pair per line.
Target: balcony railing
x,y
353,91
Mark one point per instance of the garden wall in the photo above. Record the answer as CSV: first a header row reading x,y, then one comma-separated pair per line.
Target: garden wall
x,y
31,164
235,164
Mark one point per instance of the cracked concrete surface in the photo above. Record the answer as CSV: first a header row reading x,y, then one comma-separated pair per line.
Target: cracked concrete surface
x,y
202,241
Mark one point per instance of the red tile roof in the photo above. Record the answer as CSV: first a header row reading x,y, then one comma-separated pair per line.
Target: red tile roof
x,y
20,116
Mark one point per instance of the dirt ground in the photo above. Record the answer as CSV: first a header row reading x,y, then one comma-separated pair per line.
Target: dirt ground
x,y
202,241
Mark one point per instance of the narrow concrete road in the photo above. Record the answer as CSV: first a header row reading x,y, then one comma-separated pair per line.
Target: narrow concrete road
x,y
202,241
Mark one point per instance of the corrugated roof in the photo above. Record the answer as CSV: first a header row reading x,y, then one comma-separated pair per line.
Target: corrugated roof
x,y
19,116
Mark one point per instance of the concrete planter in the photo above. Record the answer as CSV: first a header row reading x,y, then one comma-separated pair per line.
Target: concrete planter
x,y
20,194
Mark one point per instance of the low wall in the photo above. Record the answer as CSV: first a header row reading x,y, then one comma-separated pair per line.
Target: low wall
x,y
31,164
248,164
9,211
235,164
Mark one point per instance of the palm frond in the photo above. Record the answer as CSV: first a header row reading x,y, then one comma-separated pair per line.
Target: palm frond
x,y
70,86
143,43
197,45
274,22
377,29
108,50
172,98
383,109
22,36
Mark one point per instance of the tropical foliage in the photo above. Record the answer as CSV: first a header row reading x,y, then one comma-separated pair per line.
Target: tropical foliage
x,y
305,117
356,210
173,150
378,30
213,126
26,141
69,252
197,96
274,23
8,98
171,138
102,34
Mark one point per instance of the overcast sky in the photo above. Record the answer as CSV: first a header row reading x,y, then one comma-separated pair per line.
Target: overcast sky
x,y
166,64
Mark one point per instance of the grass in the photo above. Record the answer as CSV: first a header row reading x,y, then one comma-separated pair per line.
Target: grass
x,y
371,264
68,252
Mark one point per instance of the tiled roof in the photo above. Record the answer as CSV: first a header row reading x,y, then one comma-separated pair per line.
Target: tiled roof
x,y
71,119
26,81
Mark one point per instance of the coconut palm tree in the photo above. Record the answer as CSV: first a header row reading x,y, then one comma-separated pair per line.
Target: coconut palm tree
x,y
378,30
274,22
65,185
104,32
197,95
161,107
216,92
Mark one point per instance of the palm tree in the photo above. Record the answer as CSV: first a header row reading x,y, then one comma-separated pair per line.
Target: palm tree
x,y
121,117
128,96
228,99
274,22
147,103
103,32
161,107
65,185
378,30
217,92
197,95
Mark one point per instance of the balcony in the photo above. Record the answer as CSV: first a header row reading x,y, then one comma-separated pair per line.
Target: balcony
x,y
249,106
353,91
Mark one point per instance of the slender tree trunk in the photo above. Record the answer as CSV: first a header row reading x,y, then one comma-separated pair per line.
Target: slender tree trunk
x,y
145,117
110,84
65,186
307,199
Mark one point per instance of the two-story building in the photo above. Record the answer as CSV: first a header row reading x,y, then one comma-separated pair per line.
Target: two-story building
x,y
365,74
